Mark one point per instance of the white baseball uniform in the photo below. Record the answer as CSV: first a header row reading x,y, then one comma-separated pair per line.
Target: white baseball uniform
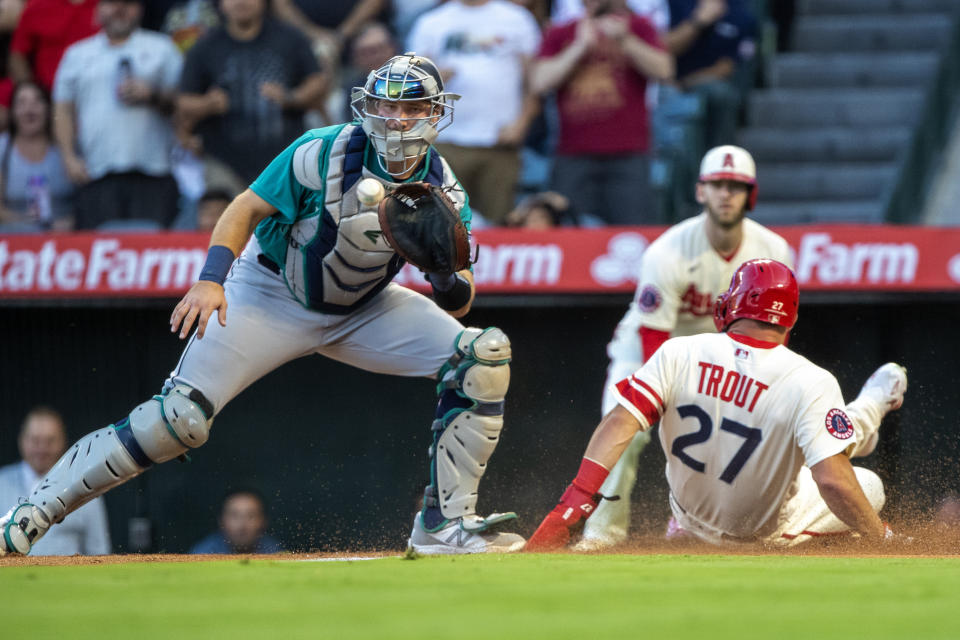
x,y
739,418
681,275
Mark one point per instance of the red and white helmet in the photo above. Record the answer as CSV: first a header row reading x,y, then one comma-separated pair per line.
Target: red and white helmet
x,y
761,289
728,162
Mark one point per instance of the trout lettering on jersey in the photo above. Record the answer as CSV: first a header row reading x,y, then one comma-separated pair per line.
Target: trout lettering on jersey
x,y
729,386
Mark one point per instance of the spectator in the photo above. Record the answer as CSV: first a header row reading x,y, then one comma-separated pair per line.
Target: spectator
x,y
155,13
42,440
599,66
112,99
34,188
211,206
245,88
370,48
483,49
656,11
190,20
710,38
542,211
329,24
243,524
45,30
406,12
10,12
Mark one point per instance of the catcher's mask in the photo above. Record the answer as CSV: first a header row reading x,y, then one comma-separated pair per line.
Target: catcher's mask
x,y
406,78
762,289
728,162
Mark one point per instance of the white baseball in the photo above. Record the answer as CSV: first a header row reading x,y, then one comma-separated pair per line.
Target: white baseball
x,y
370,192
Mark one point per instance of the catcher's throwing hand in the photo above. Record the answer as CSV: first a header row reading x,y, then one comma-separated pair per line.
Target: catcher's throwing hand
x,y
203,298
422,224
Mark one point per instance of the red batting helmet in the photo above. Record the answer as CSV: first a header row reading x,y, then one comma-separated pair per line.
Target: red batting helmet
x,y
762,289
731,163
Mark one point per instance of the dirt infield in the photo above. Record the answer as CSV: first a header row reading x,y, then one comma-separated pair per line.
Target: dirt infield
x,y
925,542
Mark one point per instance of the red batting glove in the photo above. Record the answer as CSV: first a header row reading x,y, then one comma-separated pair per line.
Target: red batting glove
x,y
577,503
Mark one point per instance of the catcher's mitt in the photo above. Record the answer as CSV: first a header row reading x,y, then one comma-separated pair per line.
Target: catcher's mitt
x,y
423,226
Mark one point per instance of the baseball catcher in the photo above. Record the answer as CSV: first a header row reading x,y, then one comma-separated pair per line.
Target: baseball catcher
x,y
316,277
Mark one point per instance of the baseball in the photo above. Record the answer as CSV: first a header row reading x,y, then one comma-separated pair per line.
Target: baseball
x,y
370,192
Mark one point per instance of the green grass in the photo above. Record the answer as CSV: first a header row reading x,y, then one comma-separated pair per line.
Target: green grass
x,y
706,597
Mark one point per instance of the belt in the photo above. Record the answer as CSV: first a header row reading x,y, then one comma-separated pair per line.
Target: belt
x,y
268,263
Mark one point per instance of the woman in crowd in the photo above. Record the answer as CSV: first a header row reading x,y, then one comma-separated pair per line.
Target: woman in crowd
x,y
34,188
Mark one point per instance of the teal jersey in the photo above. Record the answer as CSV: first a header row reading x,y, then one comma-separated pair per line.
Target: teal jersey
x,y
327,244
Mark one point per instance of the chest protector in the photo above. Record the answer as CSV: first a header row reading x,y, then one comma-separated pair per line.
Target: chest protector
x,y
338,260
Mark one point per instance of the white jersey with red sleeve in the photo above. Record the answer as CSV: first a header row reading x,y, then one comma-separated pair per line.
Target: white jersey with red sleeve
x,y
679,280
738,419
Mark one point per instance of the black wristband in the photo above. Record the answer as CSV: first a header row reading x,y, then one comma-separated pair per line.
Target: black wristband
x,y
455,297
217,266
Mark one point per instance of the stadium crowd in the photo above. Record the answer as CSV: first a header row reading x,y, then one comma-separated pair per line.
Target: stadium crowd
x,y
126,114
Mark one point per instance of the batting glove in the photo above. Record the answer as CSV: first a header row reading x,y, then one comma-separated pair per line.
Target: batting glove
x,y
575,506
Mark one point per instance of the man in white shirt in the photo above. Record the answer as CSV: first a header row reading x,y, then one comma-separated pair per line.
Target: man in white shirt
x,y
757,439
42,441
483,49
113,97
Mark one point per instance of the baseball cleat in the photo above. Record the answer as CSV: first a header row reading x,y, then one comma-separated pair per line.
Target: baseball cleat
x,y
453,537
21,527
597,543
886,386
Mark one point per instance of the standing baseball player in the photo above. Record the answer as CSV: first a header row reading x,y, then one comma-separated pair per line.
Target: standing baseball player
x,y
316,278
681,274
758,443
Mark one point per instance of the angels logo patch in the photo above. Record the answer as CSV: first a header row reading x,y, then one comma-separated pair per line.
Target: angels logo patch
x,y
839,425
649,299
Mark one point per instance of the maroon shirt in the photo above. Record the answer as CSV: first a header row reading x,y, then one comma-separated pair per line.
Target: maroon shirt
x,y
602,103
46,29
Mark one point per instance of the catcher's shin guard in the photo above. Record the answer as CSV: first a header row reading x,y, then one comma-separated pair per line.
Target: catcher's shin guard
x,y
161,428
473,384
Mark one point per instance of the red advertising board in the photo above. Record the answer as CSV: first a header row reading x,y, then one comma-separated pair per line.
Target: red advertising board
x,y
827,258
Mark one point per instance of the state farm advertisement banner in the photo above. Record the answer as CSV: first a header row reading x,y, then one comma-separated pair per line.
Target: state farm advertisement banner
x,y
827,257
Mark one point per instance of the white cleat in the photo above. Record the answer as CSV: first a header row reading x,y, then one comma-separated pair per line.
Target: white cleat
x,y
886,387
597,543
454,537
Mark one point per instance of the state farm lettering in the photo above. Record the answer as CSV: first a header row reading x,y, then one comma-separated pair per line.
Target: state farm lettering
x,y
519,264
819,258
109,267
560,261
45,269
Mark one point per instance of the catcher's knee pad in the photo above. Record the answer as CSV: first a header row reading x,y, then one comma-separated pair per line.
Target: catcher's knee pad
x,y
166,426
161,428
472,388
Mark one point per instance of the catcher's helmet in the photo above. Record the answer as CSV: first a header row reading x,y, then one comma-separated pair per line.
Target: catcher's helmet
x,y
761,289
728,162
405,78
